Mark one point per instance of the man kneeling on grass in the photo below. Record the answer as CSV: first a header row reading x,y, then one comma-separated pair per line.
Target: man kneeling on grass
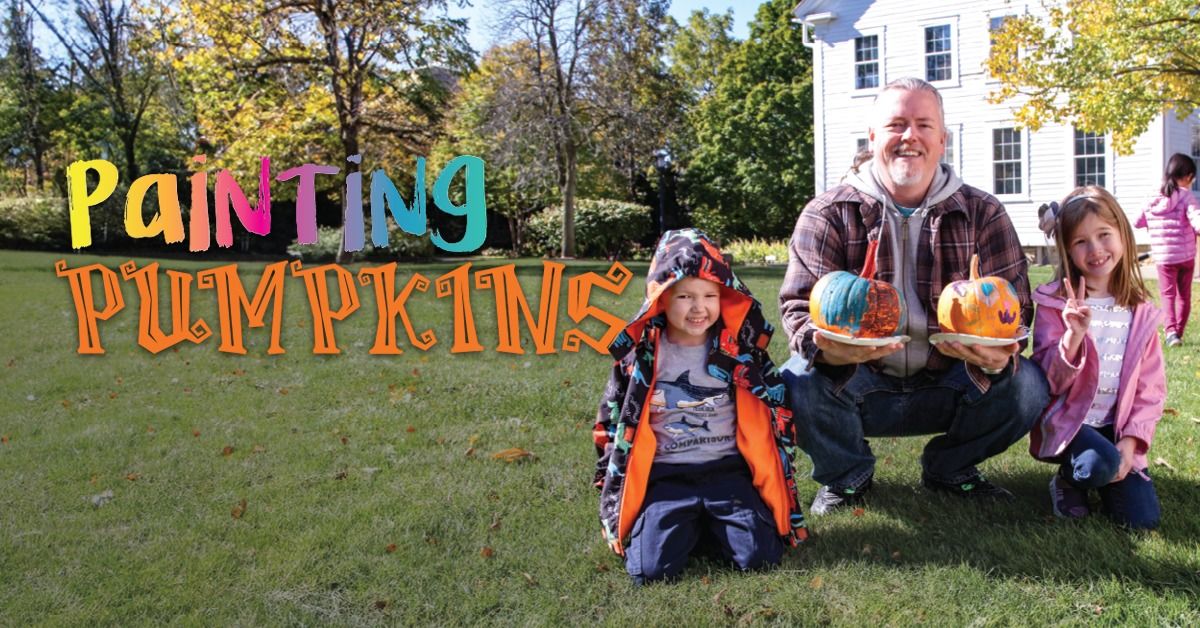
x,y
693,433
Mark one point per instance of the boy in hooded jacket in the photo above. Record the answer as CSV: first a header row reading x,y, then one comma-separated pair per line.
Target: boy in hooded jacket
x,y
694,435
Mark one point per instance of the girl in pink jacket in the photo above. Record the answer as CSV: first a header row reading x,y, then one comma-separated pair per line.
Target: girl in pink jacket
x,y
1173,219
1096,338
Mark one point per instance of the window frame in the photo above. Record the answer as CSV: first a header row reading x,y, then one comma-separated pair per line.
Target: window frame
x,y
1022,160
1104,155
881,50
955,65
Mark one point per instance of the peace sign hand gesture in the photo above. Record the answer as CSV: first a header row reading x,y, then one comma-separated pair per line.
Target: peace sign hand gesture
x,y
1077,317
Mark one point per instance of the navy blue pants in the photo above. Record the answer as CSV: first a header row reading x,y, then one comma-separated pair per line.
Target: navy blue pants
x,y
713,505
1092,461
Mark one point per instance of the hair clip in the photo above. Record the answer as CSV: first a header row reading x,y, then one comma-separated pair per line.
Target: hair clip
x,y
1048,217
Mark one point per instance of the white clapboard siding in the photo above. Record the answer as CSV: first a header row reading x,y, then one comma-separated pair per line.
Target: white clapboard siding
x,y
1048,161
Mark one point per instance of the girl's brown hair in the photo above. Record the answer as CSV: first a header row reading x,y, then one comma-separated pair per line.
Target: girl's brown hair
x,y
1126,284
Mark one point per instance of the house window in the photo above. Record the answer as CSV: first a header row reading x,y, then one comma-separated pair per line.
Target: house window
x,y
937,53
866,62
1089,158
1196,155
1006,161
948,156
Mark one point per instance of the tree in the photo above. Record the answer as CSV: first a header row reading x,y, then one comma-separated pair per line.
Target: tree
x,y
498,118
304,80
1100,65
561,34
28,110
637,101
751,167
107,50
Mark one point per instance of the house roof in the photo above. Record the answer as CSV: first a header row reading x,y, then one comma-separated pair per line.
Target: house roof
x,y
808,7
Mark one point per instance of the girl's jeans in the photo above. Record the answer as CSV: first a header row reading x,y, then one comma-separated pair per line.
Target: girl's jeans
x,y
833,420
1092,461
1175,286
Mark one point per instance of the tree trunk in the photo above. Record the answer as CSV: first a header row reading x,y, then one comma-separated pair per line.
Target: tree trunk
x,y
568,240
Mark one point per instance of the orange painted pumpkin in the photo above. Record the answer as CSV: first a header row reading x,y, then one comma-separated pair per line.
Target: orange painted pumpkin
x,y
980,306
857,305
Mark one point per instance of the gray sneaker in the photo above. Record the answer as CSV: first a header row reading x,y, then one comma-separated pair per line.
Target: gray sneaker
x,y
1173,340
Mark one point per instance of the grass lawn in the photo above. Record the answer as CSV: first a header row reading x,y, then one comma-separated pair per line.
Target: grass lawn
x,y
355,489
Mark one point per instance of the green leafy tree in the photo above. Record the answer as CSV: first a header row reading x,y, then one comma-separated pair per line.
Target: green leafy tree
x,y
1100,65
29,102
749,170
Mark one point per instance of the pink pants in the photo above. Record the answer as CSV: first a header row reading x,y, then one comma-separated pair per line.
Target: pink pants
x,y
1175,288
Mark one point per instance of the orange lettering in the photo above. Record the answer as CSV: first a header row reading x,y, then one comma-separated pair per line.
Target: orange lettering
x,y
455,282
85,305
579,290
150,333
391,306
232,301
317,286
510,298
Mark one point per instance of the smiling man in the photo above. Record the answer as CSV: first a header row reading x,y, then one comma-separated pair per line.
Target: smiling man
x,y
977,398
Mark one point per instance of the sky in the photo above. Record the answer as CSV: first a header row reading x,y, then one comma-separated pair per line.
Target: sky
x,y
479,15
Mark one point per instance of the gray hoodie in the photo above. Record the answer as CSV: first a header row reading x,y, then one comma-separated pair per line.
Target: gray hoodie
x,y
905,235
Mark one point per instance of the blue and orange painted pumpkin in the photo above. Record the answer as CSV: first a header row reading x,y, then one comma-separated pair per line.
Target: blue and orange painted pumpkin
x,y
857,305
986,306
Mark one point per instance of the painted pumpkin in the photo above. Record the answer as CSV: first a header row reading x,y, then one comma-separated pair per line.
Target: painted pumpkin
x,y
986,306
859,306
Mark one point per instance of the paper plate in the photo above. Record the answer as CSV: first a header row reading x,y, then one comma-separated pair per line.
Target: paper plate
x,y
864,342
982,341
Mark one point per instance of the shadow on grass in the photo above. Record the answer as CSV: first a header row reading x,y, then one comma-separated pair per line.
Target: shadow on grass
x,y
905,525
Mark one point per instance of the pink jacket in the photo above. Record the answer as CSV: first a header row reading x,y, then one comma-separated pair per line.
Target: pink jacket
x,y
1173,224
1141,393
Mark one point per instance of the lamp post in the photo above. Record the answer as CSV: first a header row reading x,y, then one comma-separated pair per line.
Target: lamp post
x,y
662,163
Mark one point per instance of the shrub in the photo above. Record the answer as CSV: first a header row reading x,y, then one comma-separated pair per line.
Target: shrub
x,y
757,251
603,228
34,222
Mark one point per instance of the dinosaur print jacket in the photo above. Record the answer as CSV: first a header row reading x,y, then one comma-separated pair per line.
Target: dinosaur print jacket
x,y
737,354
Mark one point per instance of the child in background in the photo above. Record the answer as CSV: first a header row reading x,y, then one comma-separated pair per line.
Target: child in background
x,y
1096,337
694,436
1173,219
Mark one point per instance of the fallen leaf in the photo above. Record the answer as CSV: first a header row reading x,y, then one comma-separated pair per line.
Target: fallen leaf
x,y
487,552
1171,411
514,454
283,391
391,548
566,382
896,555
472,439
416,373
391,387
12,363
601,567
432,540
380,604
340,475
238,510
195,433
495,525
132,477
858,512
239,372
441,440
529,579
99,499
1163,463
470,452
410,429
112,395
345,440
4,439
705,580
258,449
227,451
66,404
93,480
866,549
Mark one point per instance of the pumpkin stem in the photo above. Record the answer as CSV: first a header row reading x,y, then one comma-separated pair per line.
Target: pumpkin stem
x,y
868,271
975,267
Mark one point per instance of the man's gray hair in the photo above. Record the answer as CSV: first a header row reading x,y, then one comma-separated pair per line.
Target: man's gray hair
x,y
914,84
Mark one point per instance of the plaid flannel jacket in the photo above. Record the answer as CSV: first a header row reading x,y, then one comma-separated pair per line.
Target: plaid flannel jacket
x,y
832,233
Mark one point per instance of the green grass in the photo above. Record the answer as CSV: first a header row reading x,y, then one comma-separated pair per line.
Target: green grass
x,y
340,457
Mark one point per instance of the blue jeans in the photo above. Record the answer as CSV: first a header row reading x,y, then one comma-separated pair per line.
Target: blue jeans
x,y
710,507
833,420
1092,461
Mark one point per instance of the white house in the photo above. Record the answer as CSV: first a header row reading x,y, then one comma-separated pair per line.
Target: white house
x,y
859,45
